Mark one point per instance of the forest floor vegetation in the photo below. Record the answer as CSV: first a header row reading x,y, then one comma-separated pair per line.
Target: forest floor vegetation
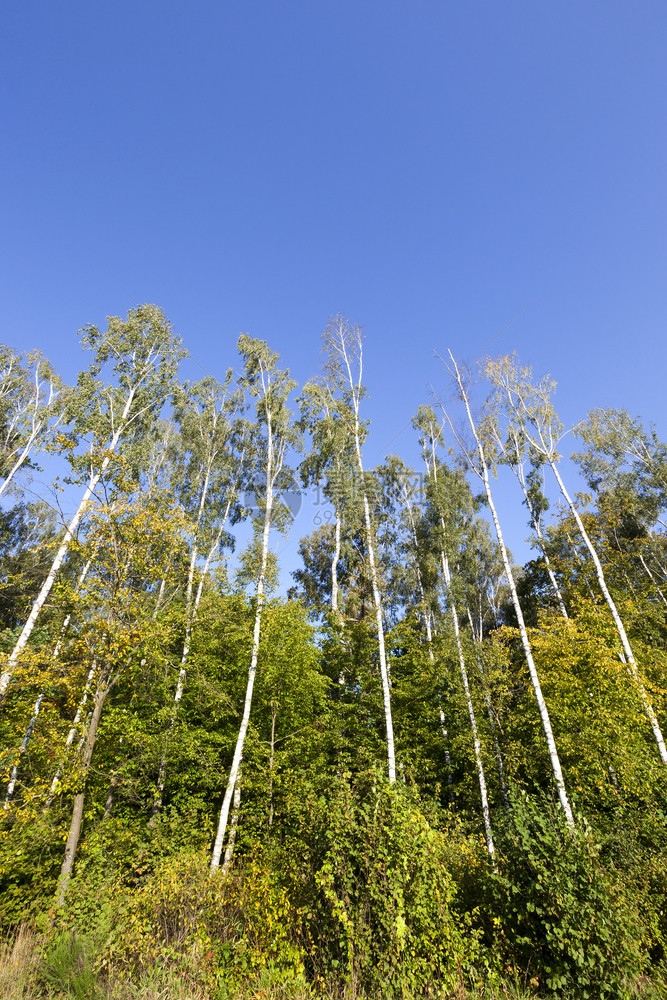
x,y
36,966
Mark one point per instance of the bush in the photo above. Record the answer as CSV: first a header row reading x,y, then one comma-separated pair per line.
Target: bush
x,y
390,928
565,922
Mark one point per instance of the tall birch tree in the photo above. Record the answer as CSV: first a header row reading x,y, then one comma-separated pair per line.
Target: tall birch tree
x,y
477,462
143,355
343,375
449,498
529,407
274,432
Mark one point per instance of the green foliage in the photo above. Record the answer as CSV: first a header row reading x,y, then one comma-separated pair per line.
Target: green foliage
x,y
387,894
564,919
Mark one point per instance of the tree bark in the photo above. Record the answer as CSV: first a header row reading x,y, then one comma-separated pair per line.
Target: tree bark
x,y
79,799
620,627
483,474
40,600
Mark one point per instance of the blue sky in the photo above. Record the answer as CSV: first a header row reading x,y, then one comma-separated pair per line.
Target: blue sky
x,y
430,170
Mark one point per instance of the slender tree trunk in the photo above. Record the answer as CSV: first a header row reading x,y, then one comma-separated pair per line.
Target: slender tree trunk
x,y
537,528
21,459
652,579
620,627
537,688
31,726
77,811
274,713
384,671
24,746
355,389
72,732
492,724
271,473
448,759
486,813
233,826
70,531
334,569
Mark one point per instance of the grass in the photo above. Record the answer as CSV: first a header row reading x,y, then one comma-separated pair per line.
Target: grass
x,y
61,968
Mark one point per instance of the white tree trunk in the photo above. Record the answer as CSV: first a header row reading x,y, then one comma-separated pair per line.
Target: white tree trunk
x,y
31,726
229,852
192,606
620,627
486,814
483,474
652,579
355,389
238,751
492,724
20,460
72,732
334,568
40,600
535,521
22,750
271,474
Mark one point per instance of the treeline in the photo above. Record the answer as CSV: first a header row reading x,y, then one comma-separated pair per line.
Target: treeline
x,y
425,770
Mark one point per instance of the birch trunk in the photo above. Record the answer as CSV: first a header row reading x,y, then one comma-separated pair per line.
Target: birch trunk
x,y
273,466
481,777
26,739
429,633
448,759
37,425
620,627
652,579
377,600
20,460
191,608
72,732
274,713
40,600
236,808
537,528
24,746
334,569
384,672
492,723
483,474
238,751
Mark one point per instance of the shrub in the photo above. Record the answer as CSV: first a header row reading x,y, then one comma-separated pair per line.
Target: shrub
x,y
565,922
388,894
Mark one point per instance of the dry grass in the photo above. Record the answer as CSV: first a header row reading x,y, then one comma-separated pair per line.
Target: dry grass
x,y
19,959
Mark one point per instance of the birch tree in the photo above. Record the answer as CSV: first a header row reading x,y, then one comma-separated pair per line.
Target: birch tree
x,y
529,407
477,462
214,448
143,355
343,375
327,465
273,434
31,409
448,498
512,451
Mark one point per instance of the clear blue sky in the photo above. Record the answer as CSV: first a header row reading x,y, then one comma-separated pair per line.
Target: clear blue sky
x,y
427,169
